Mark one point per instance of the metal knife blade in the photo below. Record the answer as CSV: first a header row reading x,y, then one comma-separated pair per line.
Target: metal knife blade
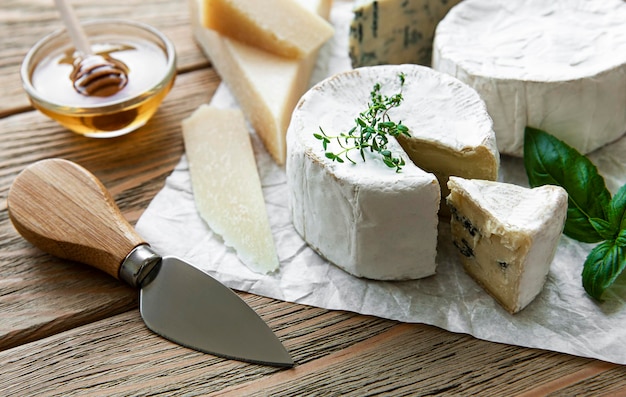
x,y
63,209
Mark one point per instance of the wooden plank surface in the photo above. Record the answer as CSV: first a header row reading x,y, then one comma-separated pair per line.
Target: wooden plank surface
x,y
24,22
68,330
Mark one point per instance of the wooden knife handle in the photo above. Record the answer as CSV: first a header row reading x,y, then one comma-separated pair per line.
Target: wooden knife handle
x,y
66,211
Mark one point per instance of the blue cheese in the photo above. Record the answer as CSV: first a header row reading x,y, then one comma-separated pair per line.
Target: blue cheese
x,y
506,235
395,31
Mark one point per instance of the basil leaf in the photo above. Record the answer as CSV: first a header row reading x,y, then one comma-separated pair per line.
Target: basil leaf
x,y
617,210
604,228
603,265
621,238
550,161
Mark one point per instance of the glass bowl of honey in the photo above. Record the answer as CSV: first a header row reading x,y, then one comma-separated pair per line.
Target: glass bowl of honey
x,y
150,59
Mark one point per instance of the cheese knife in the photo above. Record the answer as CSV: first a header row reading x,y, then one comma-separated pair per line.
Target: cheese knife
x,y
66,211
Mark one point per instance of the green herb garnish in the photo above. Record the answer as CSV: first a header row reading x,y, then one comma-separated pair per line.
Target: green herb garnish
x,y
592,214
371,131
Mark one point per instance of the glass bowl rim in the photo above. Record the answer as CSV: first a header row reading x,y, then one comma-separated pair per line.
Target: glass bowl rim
x,y
26,67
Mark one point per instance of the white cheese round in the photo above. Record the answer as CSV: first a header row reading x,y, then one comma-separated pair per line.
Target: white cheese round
x,y
365,217
555,65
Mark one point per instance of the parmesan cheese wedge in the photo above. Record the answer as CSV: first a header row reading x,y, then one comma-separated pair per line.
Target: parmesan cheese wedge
x,y
283,28
226,185
266,86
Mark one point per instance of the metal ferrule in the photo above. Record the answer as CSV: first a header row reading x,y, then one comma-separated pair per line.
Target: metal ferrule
x,y
137,265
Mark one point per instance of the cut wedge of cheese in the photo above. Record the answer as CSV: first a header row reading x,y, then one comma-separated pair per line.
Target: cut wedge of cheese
x,y
365,217
266,86
282,27
507,235
554,65
226,185
395,31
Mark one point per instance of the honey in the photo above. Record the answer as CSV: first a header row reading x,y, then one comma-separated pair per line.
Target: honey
x,y
150,77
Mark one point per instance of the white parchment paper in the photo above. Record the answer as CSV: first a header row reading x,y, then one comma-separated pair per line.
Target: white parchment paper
x,y
562,318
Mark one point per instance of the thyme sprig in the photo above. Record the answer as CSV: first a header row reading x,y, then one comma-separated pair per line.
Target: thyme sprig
x,y
372,130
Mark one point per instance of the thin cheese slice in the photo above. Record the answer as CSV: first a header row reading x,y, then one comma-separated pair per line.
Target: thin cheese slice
x,y
226,185
266,86
283,28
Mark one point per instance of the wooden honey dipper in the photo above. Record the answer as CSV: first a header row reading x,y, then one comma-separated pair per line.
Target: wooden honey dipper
x,y
93,74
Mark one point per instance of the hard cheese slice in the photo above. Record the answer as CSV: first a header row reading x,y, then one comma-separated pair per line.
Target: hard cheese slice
x,y
395,31
283,27
507,235
267,86
226,184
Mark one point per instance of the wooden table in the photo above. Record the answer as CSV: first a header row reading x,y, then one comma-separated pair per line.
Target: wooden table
x,y
66,329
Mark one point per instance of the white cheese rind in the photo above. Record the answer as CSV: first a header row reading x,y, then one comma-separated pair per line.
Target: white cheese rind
x,y
366,218
507,235
394,31
266,86
559,66
226,184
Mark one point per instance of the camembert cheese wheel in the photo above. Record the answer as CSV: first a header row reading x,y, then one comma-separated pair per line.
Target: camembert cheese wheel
x,y
507,235
555,65
366,218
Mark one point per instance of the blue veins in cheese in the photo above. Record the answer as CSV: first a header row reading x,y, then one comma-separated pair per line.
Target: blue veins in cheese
x,y
395,31
506,235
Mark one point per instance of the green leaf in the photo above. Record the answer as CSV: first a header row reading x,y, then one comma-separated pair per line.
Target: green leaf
x,y
603,266
621,238
371,130
604,228
389,162
550,161
617,210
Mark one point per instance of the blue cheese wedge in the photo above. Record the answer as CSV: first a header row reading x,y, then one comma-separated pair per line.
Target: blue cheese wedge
x,y
226,184
506,235
555,65
395,31
365,217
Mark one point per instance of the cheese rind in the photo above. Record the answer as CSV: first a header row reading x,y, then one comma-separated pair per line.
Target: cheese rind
x,y
266,86
284,27
394,31
365,217
226,185
558,66
507,235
